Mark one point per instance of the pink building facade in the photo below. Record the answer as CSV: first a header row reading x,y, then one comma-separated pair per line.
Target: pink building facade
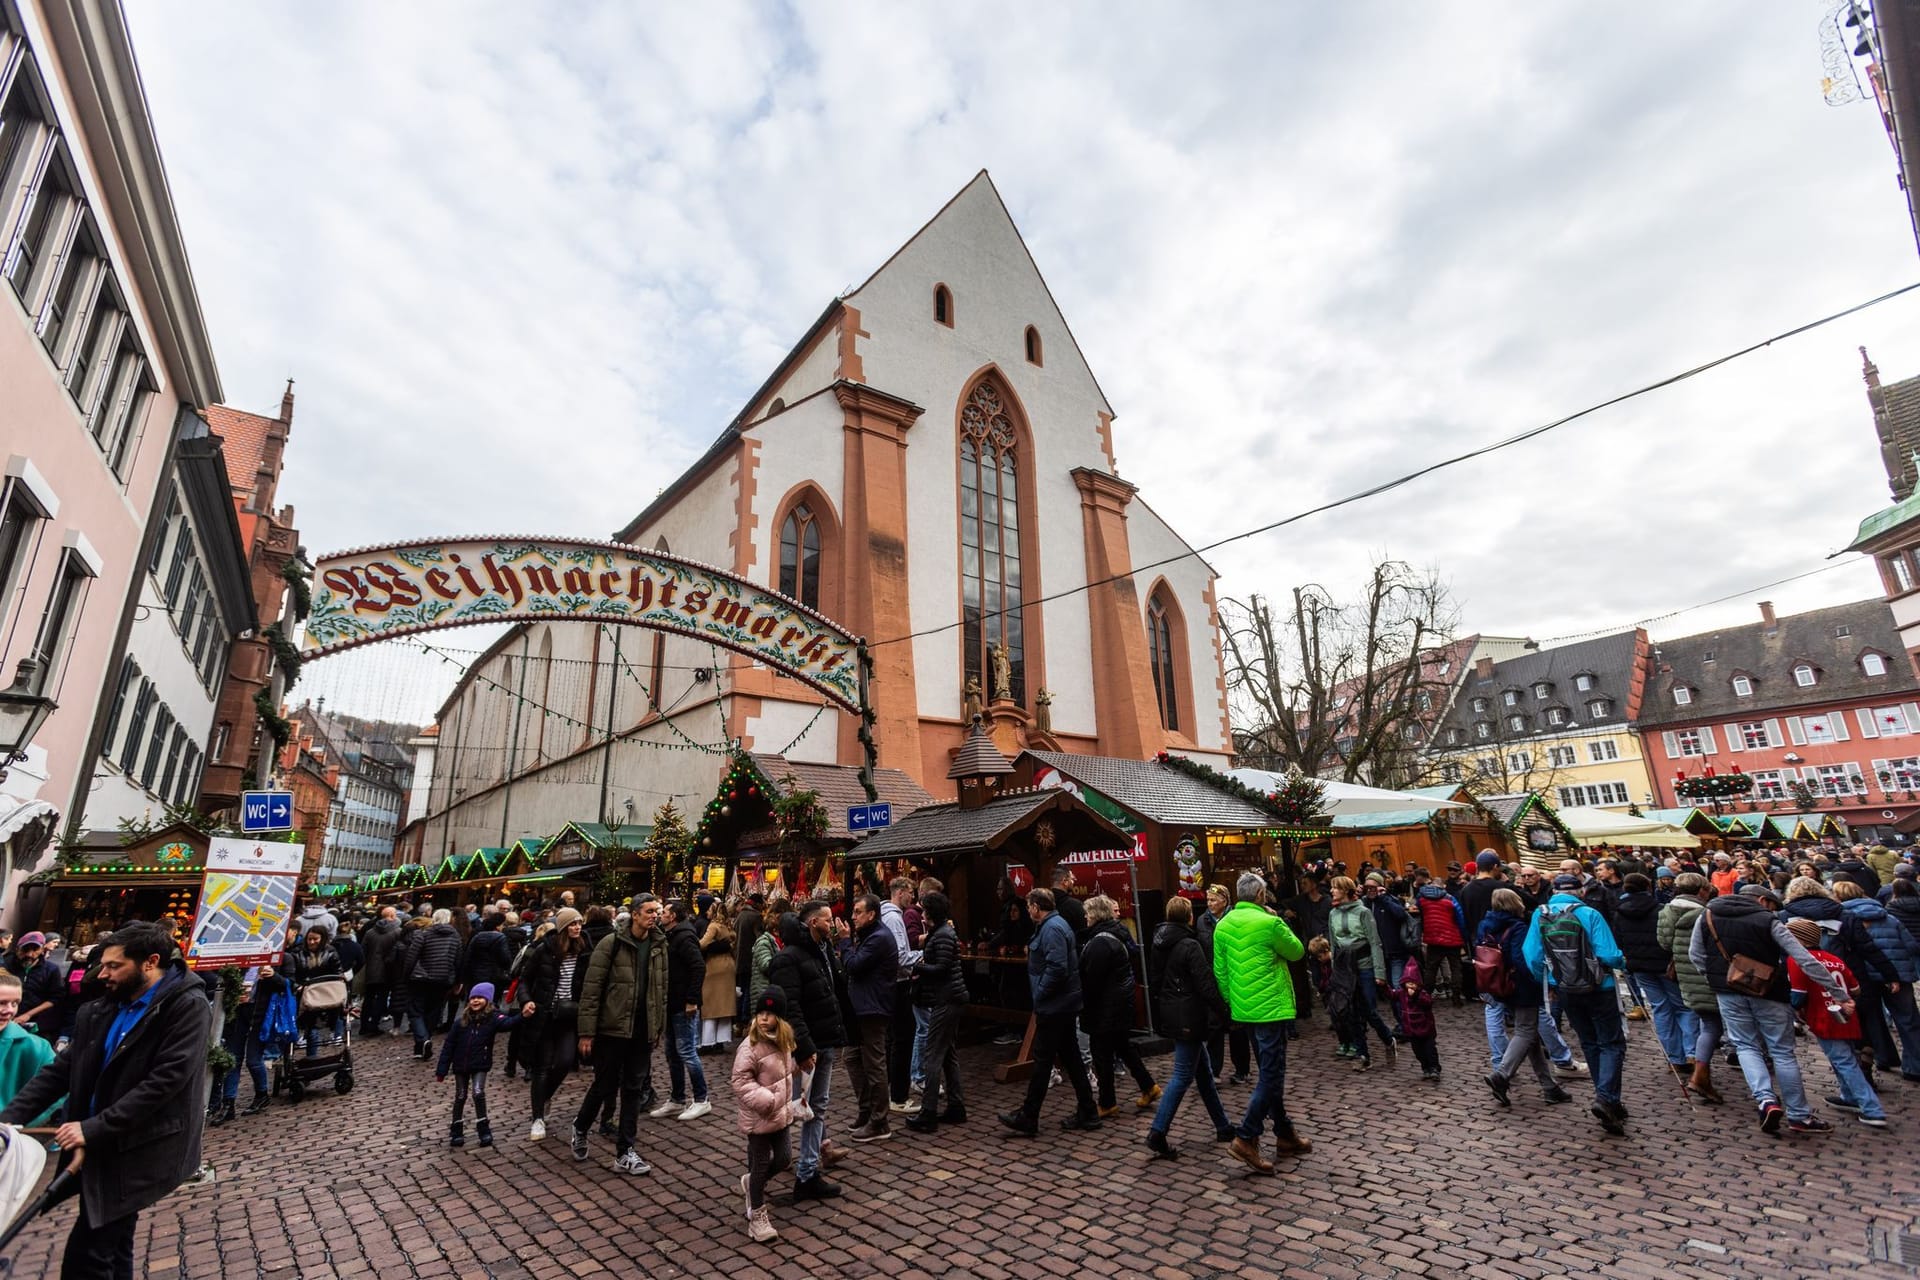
x,y
102,349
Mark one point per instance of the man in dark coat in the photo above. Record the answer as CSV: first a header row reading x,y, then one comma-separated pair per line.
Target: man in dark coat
x,y
808,970
379,940
135,1076
489,956
872,961
686,975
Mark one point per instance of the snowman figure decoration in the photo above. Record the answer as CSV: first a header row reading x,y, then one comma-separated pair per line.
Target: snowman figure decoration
x,y
1186,858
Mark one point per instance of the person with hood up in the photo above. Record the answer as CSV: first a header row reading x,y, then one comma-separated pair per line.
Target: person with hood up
x,y
1188,1006
1355,940
135,1076
1106,986
1636,927
1894,999
433,967
379,943
1443,936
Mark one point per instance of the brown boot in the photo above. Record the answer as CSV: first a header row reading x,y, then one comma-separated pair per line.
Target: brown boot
x,y
1248,1153
1287,1141
1702,1084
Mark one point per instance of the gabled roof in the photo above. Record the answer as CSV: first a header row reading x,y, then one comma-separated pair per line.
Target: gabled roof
x,y
1511,811
1768,658
947,828
838,786
598,835
244,436
1158,792
1612,661
1395,818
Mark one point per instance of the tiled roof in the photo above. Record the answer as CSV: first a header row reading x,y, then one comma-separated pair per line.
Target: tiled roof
x,y
1610,660
1156,791
1768,661
243,436
947,828
839,788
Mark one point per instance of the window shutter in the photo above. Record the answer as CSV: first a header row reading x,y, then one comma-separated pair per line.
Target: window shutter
x,y
1735,742
1671,743
1913,717
1795,732
1840,726
1775,738
1707,746
1867,728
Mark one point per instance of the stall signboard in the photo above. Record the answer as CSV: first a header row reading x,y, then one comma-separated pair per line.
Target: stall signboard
x,y
1048,776
246,903
379,593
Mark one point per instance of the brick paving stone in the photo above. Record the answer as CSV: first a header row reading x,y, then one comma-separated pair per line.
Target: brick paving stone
x,y
1405,1179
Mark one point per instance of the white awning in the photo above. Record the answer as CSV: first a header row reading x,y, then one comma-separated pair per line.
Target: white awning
x,y
1592,826
15,820
1350,797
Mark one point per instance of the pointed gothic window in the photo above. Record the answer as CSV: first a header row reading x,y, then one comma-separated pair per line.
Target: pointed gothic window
x,y
800,556
990,541
1033,346
1160,658
943,305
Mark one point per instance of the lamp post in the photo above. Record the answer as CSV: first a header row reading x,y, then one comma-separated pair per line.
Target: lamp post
x,y
23,709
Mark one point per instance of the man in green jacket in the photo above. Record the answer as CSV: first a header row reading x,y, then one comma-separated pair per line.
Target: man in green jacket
x,y
623,1010
1252,948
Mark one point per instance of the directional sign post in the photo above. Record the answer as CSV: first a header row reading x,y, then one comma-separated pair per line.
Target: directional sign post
x,y
266,811
869,817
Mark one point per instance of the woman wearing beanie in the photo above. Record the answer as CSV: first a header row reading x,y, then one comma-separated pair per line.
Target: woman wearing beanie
x,y
555,969
763,1086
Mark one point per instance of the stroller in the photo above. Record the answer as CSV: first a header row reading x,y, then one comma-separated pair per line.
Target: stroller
x,y
320,1003
23,1159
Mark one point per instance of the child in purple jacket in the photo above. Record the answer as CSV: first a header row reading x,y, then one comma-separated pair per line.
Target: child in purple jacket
x,y
468,1054
1415,1005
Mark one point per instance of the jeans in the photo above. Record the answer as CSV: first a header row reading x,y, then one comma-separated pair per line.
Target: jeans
x,y
1854,1085
256,1066
99,1252
1761,1032
1524,1046
941,1064
1595,1016
1550,1042
683,1058
917,1069
423,1006
619,1066
813,1132
1906,1021
1191,1066
1056,1044
1707,1042
1108,1047
1269,1100
1673,1022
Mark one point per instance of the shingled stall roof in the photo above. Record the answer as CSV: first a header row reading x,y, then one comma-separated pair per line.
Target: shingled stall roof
x,y
1159,792
947,828
839,789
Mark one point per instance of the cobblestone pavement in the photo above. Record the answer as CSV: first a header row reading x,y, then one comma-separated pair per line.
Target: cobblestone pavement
x,y
1405,1179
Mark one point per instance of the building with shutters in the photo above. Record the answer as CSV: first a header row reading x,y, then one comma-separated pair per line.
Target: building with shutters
x,y
1825,699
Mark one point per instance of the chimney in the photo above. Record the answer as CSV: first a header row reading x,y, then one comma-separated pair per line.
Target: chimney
x,y
1869,370
1766,615
1483,668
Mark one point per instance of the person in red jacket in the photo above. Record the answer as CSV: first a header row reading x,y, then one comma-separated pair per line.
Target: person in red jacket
x,y
1443,937
1835,1026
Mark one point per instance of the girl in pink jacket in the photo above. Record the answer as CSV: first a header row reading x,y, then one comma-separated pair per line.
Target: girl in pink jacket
x,y
763,1086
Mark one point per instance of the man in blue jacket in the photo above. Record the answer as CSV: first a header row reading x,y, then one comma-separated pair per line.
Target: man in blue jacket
x,y
1570,949
1053,973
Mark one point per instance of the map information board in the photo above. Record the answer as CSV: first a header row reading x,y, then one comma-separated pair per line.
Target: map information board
x,y
246,903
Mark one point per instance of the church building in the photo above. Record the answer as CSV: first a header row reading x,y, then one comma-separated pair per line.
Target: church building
x,y
932,466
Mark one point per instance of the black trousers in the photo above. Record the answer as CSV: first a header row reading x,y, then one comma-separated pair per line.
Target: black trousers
x,y
900,1034
374,1006
103,1252
1105,1049
767,1154
940,1062
619,1066
554,1051
1056,1044
1235,1039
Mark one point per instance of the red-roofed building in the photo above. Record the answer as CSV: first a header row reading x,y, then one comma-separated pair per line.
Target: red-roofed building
x,y
238,757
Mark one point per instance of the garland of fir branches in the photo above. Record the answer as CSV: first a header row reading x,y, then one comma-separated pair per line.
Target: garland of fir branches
x,y
1300,803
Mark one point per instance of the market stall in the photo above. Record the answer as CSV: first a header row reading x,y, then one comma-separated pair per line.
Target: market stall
x,y
1592,828
1530,829
108,879
1419,835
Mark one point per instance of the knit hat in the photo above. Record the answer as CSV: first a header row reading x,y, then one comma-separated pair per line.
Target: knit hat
x,y
1805,932
704,901
1663,873
34,939
564,917
481,991
1565,882
1486,860
773,1000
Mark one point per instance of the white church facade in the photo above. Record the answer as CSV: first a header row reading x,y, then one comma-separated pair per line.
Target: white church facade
x,y
933,467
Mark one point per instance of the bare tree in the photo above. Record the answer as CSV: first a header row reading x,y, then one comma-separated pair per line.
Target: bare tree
x,y
1342,690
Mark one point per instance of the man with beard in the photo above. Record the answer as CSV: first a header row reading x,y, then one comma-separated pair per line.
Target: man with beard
x,y
135,1074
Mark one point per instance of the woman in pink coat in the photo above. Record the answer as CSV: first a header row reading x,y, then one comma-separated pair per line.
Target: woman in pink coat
x,y
763,1086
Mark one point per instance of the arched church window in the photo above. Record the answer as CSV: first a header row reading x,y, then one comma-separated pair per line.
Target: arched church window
x,y
943,305
800,556
990,541
1160,658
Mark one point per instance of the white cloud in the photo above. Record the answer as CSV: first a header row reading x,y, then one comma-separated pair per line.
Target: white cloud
x,y
526,265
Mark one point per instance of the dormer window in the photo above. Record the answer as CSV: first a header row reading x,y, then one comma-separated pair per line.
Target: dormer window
x,y
1682,696
1480,705
1842,631
1482,729
1742,687
1873,664
1707,656
1556,715
1804,675
1455,737
1599,708
1583,682
1517,723
1542,690
1510,697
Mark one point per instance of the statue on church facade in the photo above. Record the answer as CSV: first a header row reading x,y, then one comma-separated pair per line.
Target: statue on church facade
x,y
1002,672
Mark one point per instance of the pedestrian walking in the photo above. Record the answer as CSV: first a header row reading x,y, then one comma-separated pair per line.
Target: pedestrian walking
x,y
1360,966
467,1055
871,958
378,942
1230,1037
1570,949
433,969
1053,980
1444,937
135,1074
1252,953
719,996
1107,986
1674,930
1636,927
686,980
897,914
622,1013
1835,1025
1414,1003
1188,1006
807,971
552,980
940,989
1513,987
762,1082
1887,1006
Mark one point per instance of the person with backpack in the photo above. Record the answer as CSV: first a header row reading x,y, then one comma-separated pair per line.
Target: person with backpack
x,y
1107,986
1570,950
1742,948
1503,977
1187,1006
1444,937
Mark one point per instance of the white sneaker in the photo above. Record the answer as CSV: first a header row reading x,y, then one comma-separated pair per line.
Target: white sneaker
x,y
903,1107
746,1196
667,1108
697,1110
1572,1070
538,1131
631,1163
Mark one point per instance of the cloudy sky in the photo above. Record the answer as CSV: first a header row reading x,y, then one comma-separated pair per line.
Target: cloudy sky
x,y
524,269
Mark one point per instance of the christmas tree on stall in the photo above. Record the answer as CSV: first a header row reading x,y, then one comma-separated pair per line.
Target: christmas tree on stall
x,y
669,846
